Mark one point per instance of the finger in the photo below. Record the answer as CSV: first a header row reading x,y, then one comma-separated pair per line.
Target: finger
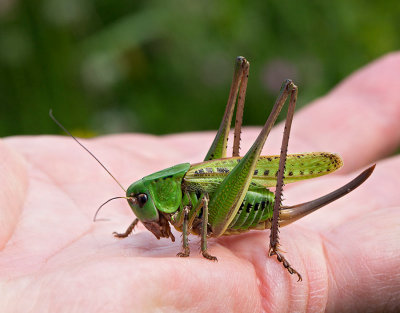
x,y
13,186
363,256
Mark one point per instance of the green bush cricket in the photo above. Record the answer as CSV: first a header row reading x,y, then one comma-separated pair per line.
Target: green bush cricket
x,y
229,195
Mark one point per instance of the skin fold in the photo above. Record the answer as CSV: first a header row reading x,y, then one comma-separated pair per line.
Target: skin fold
x,y
53,258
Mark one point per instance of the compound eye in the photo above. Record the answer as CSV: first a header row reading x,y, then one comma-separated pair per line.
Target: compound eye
x,y
142,199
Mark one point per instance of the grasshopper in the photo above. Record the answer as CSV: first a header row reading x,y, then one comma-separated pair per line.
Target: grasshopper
x,y
224,196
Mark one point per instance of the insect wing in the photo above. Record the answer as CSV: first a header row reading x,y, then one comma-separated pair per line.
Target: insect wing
x,y
206,176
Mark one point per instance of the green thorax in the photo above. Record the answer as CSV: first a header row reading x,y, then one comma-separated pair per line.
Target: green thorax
x,y
163,189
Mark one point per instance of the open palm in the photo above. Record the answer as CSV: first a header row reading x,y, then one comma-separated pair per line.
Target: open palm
x,y
53,258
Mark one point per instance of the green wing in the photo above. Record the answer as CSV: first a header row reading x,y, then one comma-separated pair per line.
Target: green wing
x,y
207,175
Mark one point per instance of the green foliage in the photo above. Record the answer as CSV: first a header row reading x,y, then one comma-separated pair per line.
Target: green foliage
x,y
165,66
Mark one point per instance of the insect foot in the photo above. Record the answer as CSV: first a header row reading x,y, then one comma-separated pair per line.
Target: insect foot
x,y
120,235
209,256
128,231
185,253
285,263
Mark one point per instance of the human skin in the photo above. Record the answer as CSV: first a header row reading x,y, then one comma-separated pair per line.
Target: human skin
x,y
53,258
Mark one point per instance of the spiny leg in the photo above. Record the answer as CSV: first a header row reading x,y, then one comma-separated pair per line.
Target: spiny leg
x,y
128,231
274,237
185,244
204,231
218,147
229,195
239,110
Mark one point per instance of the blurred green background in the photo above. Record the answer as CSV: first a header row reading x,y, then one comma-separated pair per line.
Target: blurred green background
x,y
165,66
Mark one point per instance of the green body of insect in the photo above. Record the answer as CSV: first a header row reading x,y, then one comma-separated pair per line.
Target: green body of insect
x,y
226,196
170,191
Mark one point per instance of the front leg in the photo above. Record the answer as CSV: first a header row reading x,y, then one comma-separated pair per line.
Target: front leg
x,y
128,231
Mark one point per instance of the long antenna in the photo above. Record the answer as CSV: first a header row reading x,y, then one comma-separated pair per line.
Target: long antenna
x,y
64,129
95,215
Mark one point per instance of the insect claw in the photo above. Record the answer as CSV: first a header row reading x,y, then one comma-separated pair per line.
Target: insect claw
x,y
209,256
185,253
285,263
119,235
271,251
182,255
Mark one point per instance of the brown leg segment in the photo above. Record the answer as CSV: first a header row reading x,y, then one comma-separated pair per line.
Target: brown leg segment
x,y
178,217
128,231
204,231
285,263
218,147
224,205
239,109
185,242
274,237
193,213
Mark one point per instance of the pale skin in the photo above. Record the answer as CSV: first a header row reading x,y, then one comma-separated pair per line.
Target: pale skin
x,y
53,258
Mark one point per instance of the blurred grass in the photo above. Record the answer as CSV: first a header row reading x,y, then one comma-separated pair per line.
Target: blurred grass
x,y
165,66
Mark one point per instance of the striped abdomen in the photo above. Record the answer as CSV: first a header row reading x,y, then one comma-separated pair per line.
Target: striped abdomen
x,y
256,207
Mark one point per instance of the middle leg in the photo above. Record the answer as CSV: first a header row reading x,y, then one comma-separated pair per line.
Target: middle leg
x,y
204,231
185,241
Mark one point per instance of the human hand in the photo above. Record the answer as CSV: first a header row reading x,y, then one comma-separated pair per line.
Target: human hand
x,y
54,258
